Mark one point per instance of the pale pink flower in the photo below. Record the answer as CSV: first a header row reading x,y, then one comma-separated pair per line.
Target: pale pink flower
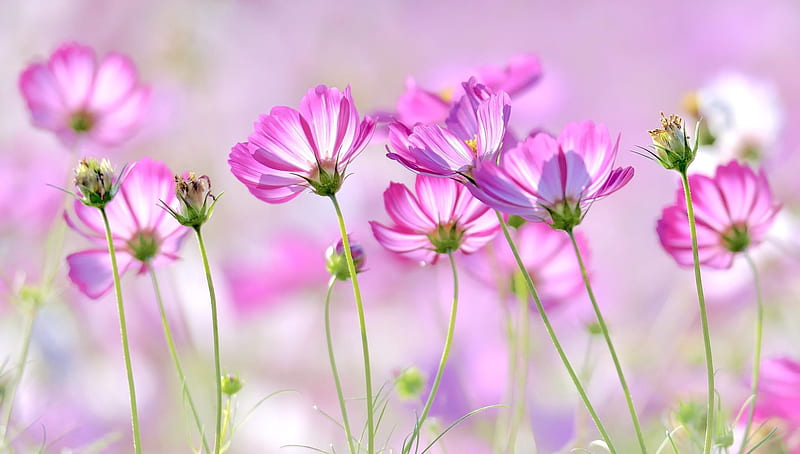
x,y
548,257
553,179
292,150
733,210
74,96
475,132
420,105
143,233
440,217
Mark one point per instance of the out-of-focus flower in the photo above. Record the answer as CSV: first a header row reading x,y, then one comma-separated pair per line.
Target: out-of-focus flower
x,y
553,180
420,105
779,400
140,235
671,144
734,210
73,95
475,131
193,193
336,260
779,391
741,117
291,150
293,261
548,257
440,218
22,202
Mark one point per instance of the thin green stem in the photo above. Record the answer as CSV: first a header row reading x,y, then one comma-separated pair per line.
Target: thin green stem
x,y
523,352
757,353
123,328
335,370
17,379
703,312
215,327
448,342
351,267
504,417
54,245
174,354
604,329
549,328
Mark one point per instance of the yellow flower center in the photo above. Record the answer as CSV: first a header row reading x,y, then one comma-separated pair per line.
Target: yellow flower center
x,y
473,145
447,95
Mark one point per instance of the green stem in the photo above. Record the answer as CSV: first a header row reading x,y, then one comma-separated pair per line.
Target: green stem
x,y
703,312
448,342
174,354
351,267
604,329
521,371
549,328
54,246
503,423
757,354
23,360
123,328
215,326
334,369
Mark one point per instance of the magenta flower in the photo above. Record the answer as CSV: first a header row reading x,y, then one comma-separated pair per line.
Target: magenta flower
x,y
75,96
548,257
553,179
143,233
733,212
419,105
291,150
475,131
441,217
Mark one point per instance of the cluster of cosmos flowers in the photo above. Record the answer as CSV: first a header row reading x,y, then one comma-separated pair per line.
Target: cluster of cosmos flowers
x,y
511,205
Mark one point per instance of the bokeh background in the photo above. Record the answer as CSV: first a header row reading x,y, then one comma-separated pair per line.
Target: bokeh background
x,y
214,66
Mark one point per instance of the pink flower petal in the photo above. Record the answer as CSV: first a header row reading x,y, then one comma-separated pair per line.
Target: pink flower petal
x,y
91,270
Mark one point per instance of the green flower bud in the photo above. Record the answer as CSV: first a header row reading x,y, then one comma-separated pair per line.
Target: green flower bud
x,y
231,384
672,149
410,383
336,260
193,193
95,182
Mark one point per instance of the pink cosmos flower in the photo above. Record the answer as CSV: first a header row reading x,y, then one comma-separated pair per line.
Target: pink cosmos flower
x,y
291,150
420,105
475,131
548,257
779,397
143,232
733,212
441,217
74,95
553,179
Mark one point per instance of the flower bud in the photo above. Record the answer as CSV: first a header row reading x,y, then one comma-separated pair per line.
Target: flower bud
x,y
95,182
336,260
672,145
231,384
193,193
410,383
